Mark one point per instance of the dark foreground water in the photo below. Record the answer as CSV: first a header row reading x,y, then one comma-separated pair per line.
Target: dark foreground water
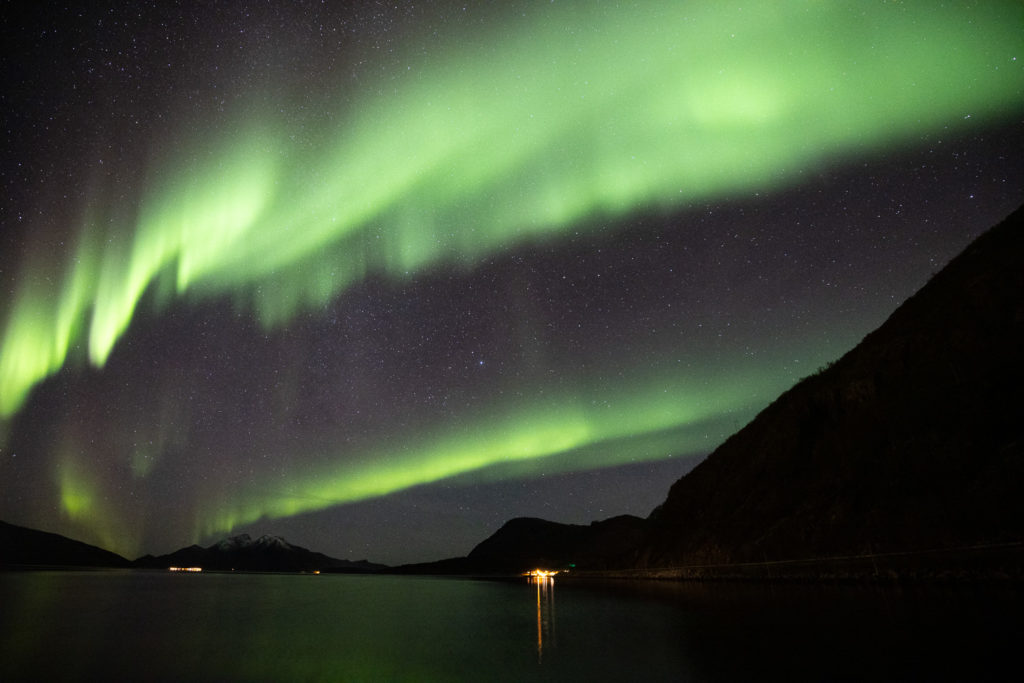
x,y
221,627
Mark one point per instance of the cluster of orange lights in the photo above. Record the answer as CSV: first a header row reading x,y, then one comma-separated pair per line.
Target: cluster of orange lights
x,y
541,573
185,569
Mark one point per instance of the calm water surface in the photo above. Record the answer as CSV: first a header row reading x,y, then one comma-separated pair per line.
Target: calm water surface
x,y
224,627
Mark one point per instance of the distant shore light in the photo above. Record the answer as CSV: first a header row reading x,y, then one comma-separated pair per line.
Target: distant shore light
x,y
541,573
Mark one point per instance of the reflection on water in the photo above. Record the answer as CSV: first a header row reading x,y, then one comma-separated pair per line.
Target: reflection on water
x,y
162,626
545,585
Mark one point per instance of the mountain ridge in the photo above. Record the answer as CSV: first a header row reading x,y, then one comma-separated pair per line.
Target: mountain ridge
x,y
906,453
909,442
902,458
22,546
267,553
25,547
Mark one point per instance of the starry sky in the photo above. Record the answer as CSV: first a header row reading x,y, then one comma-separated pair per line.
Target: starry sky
x,y
377,277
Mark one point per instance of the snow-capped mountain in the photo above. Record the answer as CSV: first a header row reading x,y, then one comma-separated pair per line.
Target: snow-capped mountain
x,y
244,542
242,553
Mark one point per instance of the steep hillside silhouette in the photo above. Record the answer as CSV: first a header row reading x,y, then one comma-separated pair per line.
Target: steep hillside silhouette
x,y
909,442
21,546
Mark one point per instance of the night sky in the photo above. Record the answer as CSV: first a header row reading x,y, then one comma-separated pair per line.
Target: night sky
x,y
379,277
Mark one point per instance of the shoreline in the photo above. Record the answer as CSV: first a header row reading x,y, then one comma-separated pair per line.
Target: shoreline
x,y
996,562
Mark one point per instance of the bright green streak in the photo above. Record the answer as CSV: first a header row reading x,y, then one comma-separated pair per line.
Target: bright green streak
x,y
578,112
553,427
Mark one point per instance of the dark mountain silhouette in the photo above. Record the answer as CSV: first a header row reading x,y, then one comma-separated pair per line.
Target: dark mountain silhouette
x,y
903,457
910,442
266,553
21,546
526,543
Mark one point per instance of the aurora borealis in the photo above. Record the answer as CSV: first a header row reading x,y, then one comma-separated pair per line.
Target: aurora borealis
x,y
382,277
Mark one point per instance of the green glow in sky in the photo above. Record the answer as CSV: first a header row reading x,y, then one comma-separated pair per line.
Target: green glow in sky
x,y
543,126
576,112
659,417
85,502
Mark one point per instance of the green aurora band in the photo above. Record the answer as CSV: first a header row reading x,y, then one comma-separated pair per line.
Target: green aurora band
x,y
538,128
658,417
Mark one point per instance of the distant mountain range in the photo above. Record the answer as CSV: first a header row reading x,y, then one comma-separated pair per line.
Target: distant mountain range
x,y
903,458
266,553
20,546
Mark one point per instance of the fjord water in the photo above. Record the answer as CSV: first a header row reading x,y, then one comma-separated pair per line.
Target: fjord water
x,y
161,626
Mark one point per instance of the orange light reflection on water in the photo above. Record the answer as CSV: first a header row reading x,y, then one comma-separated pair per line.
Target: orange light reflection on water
x,y
545,583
